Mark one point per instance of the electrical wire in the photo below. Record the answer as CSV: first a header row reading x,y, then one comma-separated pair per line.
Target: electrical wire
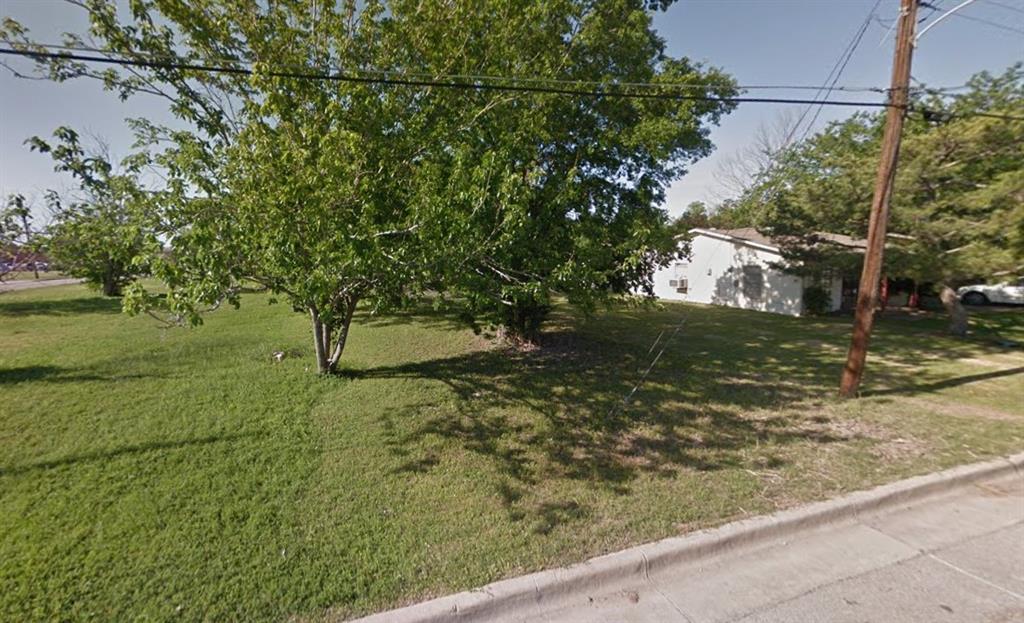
x,y
606,90
988,22
481,77
954,115
476,85
851,48
531,79
931,6
1008,7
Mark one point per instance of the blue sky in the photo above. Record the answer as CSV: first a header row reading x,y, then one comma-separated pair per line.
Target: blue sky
x,y
757,41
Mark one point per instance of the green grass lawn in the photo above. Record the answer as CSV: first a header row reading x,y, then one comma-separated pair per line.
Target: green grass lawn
x,y
160,474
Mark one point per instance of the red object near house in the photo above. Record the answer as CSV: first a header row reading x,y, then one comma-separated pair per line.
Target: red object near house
x,y
915,299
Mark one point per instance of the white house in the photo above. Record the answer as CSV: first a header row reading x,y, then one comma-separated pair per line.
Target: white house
x,y
739,268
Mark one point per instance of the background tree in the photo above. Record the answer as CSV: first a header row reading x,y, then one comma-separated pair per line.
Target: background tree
x,y
696,214
958,197
98,233
17,240
738,171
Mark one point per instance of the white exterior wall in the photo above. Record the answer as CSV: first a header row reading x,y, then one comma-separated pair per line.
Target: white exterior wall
x,y
715,274
837,293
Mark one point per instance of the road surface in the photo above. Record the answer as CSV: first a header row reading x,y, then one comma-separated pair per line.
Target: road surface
x,y
30,284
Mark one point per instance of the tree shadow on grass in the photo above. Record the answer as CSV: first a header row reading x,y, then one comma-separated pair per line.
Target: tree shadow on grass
x,y
56,374
107,455
923,388
61,307
421,313
559,415
727,392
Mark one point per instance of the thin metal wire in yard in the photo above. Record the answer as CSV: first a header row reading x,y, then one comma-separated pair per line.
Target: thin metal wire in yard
x,y
643,377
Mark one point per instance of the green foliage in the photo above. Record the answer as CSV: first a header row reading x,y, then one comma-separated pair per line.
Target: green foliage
x,y
97,235
16,241
331,192
598,168
817,300
958,197
695,215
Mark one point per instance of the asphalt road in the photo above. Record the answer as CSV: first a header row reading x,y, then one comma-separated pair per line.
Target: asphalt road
x,y
957,558
30,284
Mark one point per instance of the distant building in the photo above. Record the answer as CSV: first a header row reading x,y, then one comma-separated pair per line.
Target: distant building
x,y
740,268
19,257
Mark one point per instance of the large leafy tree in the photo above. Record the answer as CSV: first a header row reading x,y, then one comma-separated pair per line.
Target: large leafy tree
x,y
316,177
958,196
598,172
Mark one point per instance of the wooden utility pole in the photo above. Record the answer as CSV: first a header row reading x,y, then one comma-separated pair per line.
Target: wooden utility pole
x,y
870,275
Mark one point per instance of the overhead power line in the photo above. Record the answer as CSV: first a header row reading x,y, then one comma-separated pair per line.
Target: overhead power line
x,y
988,22
987,115
953,12
1008,7
933,8
837,70
606,90
530,79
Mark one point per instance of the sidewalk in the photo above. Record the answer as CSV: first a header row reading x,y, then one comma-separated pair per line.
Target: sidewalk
x,y
953,555
956,558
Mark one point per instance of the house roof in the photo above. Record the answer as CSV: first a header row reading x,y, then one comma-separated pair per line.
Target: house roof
x,y
751,236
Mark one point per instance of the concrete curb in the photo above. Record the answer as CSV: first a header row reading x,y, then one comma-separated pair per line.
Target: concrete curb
x,y
525,595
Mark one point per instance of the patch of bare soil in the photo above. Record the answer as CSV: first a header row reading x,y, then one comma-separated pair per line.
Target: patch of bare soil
x,y
901,448
886,446
988,363
965,410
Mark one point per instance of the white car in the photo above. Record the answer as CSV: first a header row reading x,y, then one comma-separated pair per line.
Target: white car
x,y
1010,292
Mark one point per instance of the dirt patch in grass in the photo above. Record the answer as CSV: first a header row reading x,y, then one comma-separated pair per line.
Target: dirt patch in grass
x,y
965,410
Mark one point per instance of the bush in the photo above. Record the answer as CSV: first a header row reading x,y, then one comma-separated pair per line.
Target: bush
x,y
816,300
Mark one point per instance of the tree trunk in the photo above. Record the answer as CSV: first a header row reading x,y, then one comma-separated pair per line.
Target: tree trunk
x,y
111,288
956,311
318,341
339,346
28,243
522,322
323,337
109,281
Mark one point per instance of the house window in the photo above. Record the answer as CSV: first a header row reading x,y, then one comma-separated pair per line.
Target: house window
x,y
753,282
681,283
